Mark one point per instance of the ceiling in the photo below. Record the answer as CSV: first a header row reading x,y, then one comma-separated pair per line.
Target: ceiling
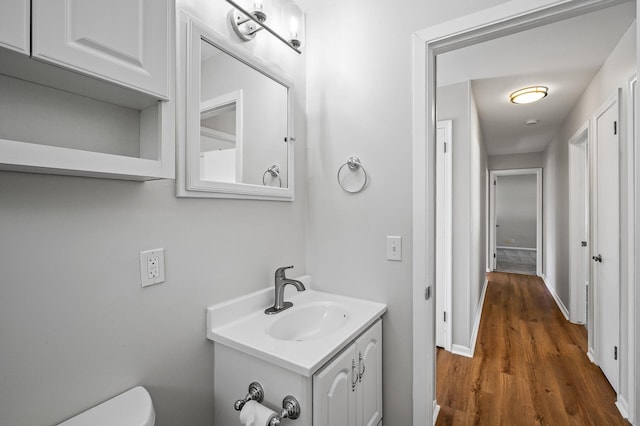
x,y
564,56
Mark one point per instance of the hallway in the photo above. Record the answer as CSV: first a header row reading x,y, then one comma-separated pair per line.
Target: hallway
x,y
530,365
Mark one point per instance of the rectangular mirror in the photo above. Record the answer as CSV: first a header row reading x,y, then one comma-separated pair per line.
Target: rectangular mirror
x,y
238,123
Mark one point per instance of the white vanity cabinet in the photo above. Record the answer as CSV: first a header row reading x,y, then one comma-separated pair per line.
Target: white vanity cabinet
x,y
15,27
122,41
348,390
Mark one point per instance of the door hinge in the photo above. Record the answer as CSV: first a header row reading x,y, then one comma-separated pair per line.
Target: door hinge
x,y
615,353
427,293
584,243
495,182
445,316
494,255
615,127
445,147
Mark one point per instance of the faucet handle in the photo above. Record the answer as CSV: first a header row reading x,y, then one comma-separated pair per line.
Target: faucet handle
x,y
280,272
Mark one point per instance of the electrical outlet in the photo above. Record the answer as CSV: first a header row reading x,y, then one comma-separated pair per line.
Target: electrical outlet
x,y
151,267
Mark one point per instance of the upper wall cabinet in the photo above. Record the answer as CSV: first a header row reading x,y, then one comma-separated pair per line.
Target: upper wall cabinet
x,y
123,41
15,16
85,87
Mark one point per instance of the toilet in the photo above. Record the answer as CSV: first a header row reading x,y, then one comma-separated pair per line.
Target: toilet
x,y
131,408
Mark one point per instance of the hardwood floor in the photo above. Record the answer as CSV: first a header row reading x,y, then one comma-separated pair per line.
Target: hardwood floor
x,y
530,365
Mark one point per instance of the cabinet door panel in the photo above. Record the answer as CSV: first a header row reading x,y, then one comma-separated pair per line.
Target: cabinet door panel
x,y
370,392
15,16
122,41
334,397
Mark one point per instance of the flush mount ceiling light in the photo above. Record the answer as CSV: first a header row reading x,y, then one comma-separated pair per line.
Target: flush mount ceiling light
x,y
528,95
531,122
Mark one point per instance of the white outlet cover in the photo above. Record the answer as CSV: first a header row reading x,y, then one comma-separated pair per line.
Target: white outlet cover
x,y
146,278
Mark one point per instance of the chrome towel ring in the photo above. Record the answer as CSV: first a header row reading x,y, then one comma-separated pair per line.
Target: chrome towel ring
x,y
274,171
354,164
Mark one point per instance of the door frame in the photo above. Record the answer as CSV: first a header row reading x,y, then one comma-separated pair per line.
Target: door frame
x,y
487,24
444,264
493,174
579,298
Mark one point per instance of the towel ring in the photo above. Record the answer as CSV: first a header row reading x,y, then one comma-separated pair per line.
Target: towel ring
x,y
354,165
274,171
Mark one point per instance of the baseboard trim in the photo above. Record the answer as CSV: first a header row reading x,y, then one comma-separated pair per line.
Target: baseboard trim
x,y
468,351
436,411
476,324
461,350
561,306
591,356
623,406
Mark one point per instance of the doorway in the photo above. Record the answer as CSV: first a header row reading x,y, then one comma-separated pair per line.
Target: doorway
x,y
579,218
516,221
508,18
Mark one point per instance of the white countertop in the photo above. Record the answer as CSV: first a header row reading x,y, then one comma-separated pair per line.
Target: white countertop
x,y
242,325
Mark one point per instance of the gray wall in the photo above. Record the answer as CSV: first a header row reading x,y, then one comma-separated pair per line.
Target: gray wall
x,y
457,103
75,326
516,201
516,161
614,74
359,102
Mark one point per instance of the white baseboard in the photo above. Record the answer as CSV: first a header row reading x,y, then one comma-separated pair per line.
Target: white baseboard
x,y
476,324
591,356
623,406
436,411
461,350
561,305
468,351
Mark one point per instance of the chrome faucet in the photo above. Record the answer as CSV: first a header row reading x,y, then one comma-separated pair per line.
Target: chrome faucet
x,y
281,282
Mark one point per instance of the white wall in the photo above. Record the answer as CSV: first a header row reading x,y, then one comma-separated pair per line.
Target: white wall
x,y
516,208
359,102
614,74
75,326
530,160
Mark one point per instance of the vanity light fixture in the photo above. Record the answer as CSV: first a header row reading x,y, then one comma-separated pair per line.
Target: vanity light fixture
x,y
247,23
528,95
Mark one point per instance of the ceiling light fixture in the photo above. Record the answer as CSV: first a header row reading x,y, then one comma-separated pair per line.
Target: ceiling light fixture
x,y
528,95
532,122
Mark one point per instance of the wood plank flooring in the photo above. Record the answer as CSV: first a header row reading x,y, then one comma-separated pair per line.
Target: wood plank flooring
x,y
530,365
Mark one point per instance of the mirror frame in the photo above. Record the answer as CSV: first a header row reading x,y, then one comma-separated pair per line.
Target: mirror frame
x,y
188,182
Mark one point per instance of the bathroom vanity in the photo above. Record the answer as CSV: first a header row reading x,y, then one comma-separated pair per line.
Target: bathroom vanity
x,y
326,351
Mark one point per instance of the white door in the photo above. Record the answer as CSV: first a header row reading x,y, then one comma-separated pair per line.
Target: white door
x,y
122,41
606,247
579,224
15,25
369,390
334,391
443,234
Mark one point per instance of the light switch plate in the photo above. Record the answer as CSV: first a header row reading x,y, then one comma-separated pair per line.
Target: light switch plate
x,y
151,267
394,248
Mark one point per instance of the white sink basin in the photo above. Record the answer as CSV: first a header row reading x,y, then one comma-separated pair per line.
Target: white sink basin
x,y
302,338
309,321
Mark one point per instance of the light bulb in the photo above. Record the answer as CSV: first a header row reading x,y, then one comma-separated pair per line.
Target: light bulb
x,y
293,27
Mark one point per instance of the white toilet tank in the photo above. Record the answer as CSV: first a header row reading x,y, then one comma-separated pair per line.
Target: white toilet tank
x,y
132,408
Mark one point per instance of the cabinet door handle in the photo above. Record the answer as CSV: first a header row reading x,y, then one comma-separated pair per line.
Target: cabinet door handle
x,y
362,366
354,374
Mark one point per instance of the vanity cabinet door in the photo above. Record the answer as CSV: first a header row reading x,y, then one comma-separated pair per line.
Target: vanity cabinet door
x,y
122,41
370,376
335,389
15,16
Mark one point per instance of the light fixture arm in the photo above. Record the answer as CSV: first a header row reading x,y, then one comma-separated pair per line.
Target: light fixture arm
x,y
250,16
